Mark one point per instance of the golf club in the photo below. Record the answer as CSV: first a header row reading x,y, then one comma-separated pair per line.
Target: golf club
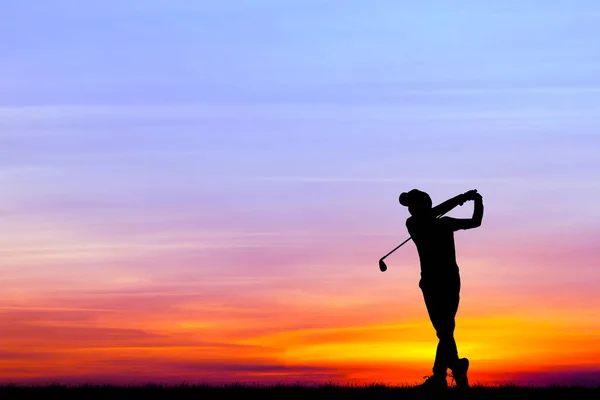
x,y
382,265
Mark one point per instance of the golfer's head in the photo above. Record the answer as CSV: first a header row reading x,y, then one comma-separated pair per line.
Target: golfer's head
x,y
416,201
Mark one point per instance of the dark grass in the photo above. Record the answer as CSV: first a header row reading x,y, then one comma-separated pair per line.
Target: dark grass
x,y
290,392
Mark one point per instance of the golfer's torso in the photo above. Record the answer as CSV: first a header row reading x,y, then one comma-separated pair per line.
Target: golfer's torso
x,y
435,245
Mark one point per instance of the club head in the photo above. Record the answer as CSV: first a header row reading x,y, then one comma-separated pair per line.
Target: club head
x,y
382,265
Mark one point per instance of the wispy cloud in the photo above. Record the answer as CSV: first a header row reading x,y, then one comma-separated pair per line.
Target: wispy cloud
x,y
52,309
31,115
331,179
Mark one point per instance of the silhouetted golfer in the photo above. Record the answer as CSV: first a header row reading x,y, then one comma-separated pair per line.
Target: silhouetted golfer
x,y
440,279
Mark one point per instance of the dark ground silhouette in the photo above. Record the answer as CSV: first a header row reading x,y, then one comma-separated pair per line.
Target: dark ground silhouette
x,y
293,392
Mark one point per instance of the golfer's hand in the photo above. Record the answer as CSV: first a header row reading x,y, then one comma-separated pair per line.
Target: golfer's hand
x,y
471,194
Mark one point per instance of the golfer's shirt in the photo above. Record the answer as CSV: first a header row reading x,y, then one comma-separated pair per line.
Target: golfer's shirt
x,y
434,238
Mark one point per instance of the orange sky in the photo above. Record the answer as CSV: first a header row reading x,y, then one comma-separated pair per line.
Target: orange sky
x,y
329,319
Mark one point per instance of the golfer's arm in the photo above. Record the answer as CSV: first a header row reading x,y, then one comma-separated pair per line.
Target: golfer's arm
x,y
477,212
447,205
466,223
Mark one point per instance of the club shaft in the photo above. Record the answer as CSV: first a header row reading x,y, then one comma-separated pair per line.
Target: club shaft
x,y
400,245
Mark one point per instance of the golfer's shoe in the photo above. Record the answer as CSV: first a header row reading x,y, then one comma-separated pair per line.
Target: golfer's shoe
x,y
459,373
434,382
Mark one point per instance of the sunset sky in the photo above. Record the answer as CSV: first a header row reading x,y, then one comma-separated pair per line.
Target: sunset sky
x,y
199,191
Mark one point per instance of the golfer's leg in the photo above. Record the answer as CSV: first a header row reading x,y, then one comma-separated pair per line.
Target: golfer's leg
x,y
439,365
434,305
451,350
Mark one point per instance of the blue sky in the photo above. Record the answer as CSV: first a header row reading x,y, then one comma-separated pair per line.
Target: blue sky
x,y
161,51
259,92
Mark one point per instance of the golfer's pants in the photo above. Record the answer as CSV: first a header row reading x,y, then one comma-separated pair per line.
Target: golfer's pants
x,y
441,298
